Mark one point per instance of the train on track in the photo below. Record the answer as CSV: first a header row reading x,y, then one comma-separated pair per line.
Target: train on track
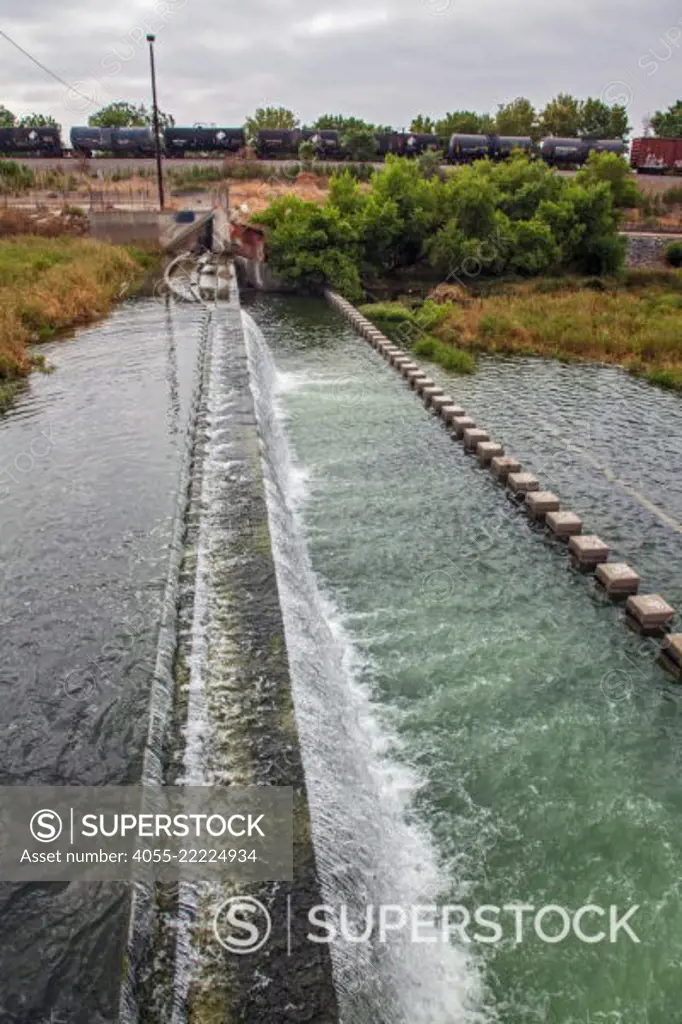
x,y
276,144
656,156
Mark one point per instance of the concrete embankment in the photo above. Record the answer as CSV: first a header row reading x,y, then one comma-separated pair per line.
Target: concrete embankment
x,y
648,614
226,717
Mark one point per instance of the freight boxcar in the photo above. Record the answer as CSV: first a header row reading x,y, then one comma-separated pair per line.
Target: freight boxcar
x,y
178,141
31,142
656,156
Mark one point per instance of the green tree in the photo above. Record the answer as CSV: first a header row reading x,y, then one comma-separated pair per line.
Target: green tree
x,y
7,118
603,122
668,123
127,115
422,124
562,117
119,115
311,245
37,121
615,172
464,122
359,144
516,118
342,123
270,117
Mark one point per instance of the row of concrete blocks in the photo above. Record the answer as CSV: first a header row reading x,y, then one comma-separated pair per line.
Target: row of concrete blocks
x,y
648,614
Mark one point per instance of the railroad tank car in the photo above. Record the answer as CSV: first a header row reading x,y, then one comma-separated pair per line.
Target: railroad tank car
x,y
387,142
178,141
463,149
500,147
31,141
272,143
414,143
86,141
656,156
557,151
132,142
327,142
616,146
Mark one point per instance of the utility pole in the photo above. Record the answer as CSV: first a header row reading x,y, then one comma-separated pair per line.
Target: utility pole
x,y
157,134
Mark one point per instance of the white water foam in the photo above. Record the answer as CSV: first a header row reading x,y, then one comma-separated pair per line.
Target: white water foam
x,y
368,852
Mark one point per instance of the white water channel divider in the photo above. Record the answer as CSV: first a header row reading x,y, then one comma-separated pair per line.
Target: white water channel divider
x,y
648,614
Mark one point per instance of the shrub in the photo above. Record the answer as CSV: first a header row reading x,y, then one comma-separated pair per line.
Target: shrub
x,y
673,254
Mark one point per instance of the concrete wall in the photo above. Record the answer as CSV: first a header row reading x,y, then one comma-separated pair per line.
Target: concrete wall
x,y
124,227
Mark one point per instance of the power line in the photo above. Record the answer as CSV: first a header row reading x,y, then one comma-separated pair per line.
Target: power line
x,y
42,67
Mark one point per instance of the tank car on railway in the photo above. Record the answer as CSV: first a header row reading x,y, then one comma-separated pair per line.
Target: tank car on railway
x,y
464,149
413,144
179,141
125,142
31,142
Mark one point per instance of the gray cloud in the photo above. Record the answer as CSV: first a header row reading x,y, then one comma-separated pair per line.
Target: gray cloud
x,y
382,59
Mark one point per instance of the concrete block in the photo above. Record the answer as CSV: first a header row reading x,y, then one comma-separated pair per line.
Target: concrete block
x,y
521,483
618,579
398,361
503,465
564,524
440,401
486,451
418,378
588,551
409,367
650,612
472,436
428,394
450,410
460,424
422,385
672,648
541,502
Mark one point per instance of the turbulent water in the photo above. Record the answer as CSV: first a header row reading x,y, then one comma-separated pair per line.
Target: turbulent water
x,y
90,458
479,727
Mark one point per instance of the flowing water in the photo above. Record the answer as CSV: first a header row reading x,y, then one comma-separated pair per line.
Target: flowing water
x,y
478,726
90,458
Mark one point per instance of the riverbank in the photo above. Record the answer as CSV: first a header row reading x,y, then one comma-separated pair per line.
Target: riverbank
x,y
48,285
633,321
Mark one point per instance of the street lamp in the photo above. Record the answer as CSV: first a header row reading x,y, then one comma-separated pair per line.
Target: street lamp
x,y
157,136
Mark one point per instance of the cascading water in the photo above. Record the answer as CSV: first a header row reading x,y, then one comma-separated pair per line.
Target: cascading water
x,y
368,854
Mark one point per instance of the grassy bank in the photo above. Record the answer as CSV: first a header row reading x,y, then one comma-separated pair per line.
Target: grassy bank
x,y
51,284
634,321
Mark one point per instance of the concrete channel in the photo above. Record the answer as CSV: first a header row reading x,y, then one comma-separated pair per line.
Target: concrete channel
x,y
646,614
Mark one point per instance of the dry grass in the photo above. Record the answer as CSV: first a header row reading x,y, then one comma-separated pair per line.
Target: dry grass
x,y
635,322
51,284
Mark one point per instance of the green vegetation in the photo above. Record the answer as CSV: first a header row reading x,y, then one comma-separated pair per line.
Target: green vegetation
x,y
634,321
673,254
487,220
38,121
412,327
270,117
50,284
128,115
668,123
7,118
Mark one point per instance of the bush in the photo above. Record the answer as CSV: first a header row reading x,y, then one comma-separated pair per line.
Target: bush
x,y
673,254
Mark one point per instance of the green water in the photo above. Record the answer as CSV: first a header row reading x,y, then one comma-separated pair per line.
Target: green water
x,y
545,738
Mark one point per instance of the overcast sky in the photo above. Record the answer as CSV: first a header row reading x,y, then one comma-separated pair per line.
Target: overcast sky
x,y
384,60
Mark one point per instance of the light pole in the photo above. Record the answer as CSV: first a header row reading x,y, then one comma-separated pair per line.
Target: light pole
x,y
157,136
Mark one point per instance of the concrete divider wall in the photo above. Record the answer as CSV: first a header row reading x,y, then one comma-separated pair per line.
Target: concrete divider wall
x,y
649,614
